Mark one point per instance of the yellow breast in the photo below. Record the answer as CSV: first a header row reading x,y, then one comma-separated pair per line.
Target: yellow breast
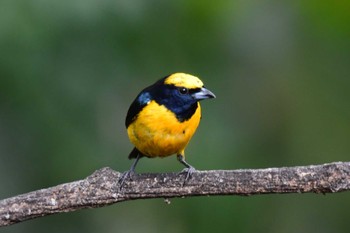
x,y
157,131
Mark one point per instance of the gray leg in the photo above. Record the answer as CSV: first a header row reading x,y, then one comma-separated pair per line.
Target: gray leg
x,y
189,169
129,173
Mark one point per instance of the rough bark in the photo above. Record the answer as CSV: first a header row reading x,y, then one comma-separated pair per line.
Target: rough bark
x,y
102,188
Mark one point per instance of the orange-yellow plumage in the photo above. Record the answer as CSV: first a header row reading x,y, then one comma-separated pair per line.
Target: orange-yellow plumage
x,y
157,132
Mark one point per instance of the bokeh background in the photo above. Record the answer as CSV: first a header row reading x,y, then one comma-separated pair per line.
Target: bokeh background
x,y
280,70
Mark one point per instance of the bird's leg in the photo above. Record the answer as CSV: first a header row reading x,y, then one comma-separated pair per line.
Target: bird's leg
x,y
189,169
128,173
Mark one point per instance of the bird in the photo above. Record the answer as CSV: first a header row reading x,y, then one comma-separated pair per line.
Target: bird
x,y
163,118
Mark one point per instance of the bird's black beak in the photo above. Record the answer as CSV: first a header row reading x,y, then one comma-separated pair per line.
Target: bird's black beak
x,y
202,94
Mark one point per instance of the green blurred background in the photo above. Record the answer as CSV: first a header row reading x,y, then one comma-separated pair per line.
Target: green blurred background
x,y
280,70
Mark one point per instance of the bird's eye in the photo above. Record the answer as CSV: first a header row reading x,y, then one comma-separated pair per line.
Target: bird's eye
x,y
183,90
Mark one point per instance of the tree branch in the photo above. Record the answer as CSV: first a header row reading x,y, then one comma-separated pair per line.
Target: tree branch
x,y
101,188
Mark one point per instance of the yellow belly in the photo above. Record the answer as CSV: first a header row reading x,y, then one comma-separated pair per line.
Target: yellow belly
x,y
157,132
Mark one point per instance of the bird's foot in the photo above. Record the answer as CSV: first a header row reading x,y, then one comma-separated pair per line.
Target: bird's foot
x,y
125,175
189,171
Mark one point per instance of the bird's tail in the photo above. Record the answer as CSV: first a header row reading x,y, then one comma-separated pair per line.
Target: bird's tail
x,y
134,153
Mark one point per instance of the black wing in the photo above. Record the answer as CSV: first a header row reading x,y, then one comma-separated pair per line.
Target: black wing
x,y
133,111
139,103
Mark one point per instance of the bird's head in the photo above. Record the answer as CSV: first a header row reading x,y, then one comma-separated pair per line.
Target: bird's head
x,y
180,93
186,87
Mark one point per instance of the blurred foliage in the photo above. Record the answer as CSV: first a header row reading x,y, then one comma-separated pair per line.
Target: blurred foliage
x,y
280,70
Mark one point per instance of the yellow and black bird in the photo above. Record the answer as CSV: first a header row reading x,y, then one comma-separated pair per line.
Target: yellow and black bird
x,y
163,118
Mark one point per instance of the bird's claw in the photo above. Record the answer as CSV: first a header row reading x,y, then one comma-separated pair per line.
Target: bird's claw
x,y
189,171
124,176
